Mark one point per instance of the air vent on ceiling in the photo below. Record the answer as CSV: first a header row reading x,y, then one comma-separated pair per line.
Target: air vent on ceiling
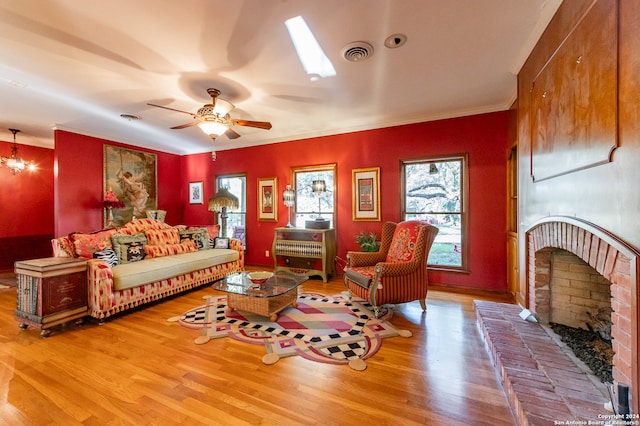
x,y
357,51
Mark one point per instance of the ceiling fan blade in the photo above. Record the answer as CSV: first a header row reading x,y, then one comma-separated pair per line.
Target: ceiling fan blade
x,y
259,124
173,109
184,126
232,134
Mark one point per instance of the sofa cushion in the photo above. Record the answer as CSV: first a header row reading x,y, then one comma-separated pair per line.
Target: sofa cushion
x,y
169,249
87,244
138,226
63,247
108,255
158,237
130,275
129,248
212,230
199,236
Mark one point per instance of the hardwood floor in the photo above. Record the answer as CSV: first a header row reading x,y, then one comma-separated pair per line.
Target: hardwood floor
x,y
140,369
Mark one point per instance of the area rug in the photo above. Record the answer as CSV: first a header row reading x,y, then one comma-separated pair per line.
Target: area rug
x,y
327,329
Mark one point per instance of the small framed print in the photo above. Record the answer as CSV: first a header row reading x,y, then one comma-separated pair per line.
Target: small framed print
x,y
267,199
221,243
366,194
195,193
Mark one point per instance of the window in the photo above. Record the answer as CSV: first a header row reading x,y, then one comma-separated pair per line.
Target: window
x,y
237,220
310,205
434,190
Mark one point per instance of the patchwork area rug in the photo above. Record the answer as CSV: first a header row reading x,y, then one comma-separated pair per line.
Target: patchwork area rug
x,y
327,329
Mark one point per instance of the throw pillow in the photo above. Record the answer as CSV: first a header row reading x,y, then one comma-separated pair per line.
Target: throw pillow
x,y
63,247
199,236
158,237
138,226
403,243
108,255
129,248
212,230
87,244
169,249
221,243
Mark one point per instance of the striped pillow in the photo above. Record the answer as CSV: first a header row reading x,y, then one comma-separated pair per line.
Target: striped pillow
x,y
108,255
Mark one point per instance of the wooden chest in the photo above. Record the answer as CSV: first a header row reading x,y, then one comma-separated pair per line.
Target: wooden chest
x,y
50,291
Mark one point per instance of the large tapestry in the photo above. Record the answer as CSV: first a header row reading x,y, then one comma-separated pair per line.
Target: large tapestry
x,y
131,175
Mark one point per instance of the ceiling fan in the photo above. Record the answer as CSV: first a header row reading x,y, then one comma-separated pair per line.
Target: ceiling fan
x,y
214,120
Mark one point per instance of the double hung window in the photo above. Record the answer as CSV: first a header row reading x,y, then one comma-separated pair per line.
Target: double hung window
x,y
312,205
435,190
236,221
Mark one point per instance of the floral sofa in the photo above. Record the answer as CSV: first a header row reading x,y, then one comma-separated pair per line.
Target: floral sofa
x,y
147,260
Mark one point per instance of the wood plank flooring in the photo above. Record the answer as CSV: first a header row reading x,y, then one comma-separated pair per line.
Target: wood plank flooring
x,y
140,369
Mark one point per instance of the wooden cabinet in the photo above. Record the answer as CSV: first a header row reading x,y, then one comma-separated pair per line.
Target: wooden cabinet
x,y
50,291
305,251
512,226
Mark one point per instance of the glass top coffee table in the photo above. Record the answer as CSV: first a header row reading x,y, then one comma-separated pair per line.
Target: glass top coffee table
x,y
268,299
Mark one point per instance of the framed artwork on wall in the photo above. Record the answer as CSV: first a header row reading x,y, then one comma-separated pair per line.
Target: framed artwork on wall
x,y
267,199
366,194
132,176
195,193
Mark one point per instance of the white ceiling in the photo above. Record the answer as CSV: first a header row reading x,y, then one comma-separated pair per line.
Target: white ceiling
x,y
78,64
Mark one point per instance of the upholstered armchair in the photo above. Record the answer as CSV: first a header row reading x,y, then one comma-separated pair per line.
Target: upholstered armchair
x,y
397,273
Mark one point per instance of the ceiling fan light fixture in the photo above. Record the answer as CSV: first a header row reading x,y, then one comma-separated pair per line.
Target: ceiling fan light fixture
x,y
213,128
220,108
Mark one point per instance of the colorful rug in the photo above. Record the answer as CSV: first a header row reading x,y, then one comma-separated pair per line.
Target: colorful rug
x,y
327,329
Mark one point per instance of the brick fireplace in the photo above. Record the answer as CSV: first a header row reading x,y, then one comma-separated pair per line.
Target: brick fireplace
x,y
610,257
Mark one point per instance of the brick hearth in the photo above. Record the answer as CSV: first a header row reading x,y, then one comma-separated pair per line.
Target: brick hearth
x,y
543,384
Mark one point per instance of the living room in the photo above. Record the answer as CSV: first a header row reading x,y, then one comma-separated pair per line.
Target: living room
x,y
66,192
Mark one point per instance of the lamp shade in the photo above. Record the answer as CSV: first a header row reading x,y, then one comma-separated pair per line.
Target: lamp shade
x,y
223,198
289,196
318,186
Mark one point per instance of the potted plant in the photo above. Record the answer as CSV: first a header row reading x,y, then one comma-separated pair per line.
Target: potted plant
x,y
367,241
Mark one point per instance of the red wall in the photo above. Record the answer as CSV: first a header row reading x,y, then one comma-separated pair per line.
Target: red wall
x,y
79,183
483,137
26,199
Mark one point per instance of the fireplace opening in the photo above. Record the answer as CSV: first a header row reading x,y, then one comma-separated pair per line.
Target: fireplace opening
x,y
614,287
578,309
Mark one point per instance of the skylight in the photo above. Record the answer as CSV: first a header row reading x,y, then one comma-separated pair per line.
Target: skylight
x,y
311,55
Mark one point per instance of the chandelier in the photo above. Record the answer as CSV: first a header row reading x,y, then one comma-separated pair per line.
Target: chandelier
x,y
15,163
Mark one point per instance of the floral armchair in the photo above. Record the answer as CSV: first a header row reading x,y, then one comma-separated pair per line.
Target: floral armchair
x,y
397,273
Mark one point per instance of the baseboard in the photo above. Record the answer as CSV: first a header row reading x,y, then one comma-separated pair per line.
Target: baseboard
x,y
472,291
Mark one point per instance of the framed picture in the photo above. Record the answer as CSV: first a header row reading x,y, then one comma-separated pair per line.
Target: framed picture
x,y
267,199
132,176
195,193
366,194
221,242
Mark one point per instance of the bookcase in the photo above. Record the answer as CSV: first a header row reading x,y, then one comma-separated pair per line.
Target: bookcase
x,y
305,251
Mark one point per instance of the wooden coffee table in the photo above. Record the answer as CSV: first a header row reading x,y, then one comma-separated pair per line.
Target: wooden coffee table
x,y
268,299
